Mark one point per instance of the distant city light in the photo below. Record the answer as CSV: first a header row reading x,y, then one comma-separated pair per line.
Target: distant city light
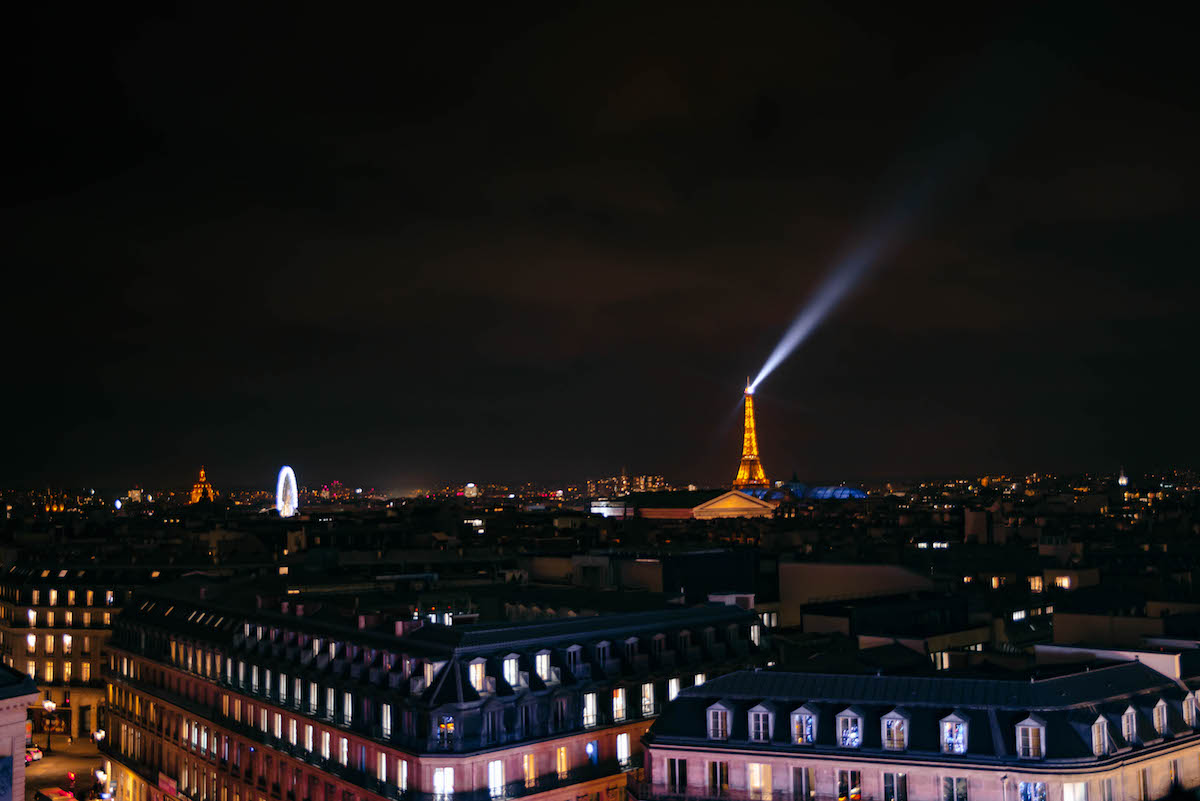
x,y
117,503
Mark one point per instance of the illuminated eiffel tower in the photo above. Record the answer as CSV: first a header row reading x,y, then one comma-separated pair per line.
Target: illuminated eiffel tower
x,y
750,473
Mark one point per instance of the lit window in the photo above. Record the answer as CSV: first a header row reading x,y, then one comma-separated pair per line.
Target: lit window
x,y
623,749
344,751
1063,583
385,720
529,765
325,744
476,675
510,670
347,709
381,767
1031,791
647,699
894,733
758,780
672,688
31,669
560,761
541,664
49,672
698,680
804,728
954,735
32,615
1018,615
1100,737
589,709
495,778
954,788
849,727
1160,717
445,731
31,643
1189,711
1129,726
443,783
1030,739
67,642
618,703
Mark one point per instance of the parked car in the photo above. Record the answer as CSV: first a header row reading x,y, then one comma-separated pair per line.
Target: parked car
x,y
34,753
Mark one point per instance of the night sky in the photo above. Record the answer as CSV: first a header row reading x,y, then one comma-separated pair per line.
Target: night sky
x,y
504,242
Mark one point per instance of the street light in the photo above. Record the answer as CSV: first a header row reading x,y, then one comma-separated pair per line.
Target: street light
x,y
101,776
98,736
49,706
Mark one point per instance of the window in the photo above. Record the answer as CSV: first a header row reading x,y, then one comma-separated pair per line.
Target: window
x,y
718,777
445,731
49,672
1100,737
254,678
677,775
760,726
347,709
648,699
85,671
954,788
1189,711
278,725
849,730
1030,741
1160,717
618,703
560,761
895,787
510,670
954,735
755,634
1129,726
385,719
589,709
804,728
475,672
54,597
698,680
894,733
35,596
325,744
1173,773
541,664
1031,791
344,751
758,780
672,689
495,778
1074,791
529,765
623,749
443,782
849,785
283,688
718,724
31,643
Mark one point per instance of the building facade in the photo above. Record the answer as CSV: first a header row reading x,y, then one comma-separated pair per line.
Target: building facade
x,y
1122,732
211,701
17,693
53,627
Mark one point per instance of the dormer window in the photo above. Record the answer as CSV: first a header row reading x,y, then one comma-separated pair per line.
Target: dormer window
x,y
954,734
1129,726
475,671
760,724
602,651
1100,737
1031,738
849,729
718,723
804,726
1189,711
685,640
573,657
1160,717
510,669
541,663
894,731
756,635
631,648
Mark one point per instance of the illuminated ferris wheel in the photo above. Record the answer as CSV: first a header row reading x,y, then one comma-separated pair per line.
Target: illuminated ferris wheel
x,y
287,499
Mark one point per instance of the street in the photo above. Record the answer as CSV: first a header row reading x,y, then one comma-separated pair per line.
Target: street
x,y
51,771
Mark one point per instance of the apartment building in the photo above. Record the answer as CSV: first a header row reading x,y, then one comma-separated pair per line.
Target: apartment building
x,y
1121,732
216,697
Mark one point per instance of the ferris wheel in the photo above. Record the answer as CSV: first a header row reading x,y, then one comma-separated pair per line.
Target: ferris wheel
x,y
287,499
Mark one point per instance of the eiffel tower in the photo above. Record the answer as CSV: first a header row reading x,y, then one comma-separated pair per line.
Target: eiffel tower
x,y
750,473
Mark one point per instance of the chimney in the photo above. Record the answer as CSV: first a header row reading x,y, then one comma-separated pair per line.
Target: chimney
x,y
299,610
203,593
283,607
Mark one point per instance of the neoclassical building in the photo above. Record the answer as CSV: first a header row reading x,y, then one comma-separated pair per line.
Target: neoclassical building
x,y
1121,732
216,697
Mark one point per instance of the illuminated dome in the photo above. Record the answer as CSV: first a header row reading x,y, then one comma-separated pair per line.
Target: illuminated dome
x,y
202,490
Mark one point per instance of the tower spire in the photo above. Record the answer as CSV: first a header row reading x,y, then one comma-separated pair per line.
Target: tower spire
x,y
750,473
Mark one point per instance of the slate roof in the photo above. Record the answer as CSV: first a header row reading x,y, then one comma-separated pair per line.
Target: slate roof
x,y
1068,705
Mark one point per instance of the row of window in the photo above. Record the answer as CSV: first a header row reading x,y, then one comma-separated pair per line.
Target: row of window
x,y
761,784
50,620
49,672
49,643
53,596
